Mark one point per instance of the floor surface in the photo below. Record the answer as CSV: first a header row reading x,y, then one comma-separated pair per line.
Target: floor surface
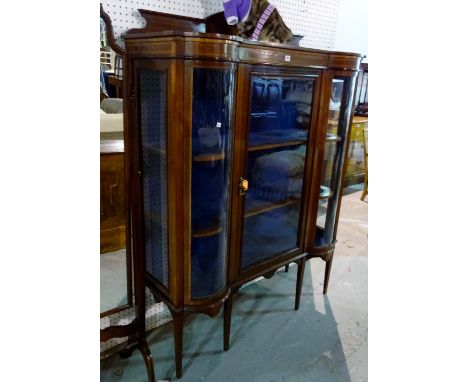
x,y
324,341
113,279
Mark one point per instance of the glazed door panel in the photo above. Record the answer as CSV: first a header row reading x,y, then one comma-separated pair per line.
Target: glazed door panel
x,y
270,185
337,135
212,99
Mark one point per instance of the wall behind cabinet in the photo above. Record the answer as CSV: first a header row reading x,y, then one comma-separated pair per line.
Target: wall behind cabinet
x,y
351,31
315,19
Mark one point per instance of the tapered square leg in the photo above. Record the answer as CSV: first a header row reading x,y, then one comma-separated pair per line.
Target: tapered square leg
x,y
227,321
178,320
328,266
300,278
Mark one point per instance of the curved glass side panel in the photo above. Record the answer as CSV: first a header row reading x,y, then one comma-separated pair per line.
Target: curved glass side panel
x,y
338,128
277,140
153,147
211,170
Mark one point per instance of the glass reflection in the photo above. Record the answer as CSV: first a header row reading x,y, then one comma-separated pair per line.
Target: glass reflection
x,y
211,166
278,132
332,164
113,253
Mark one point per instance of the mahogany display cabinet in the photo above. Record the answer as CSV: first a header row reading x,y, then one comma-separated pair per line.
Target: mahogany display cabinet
x,y
236,152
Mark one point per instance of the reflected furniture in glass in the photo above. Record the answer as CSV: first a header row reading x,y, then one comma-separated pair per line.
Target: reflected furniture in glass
x,y
355,168
122,290
328,172
366,163
237,151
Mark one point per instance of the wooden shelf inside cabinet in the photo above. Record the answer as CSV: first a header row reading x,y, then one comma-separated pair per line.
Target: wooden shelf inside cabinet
x,y
272,139
277,145
256,207
207,232
209,157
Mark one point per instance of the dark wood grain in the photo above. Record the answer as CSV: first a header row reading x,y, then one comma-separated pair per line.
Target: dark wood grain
x,y
327,274
229,48
300,279
318,142
161,22
262,207
113,211
216,23
227,322
238,170
178,49
276,145
117,331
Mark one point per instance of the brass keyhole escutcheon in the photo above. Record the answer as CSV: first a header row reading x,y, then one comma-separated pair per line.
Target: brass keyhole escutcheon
x,y
243,186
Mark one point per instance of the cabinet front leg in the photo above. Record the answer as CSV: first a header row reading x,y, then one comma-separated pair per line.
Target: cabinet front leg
x,y
178,320
328,266
300,278
227,321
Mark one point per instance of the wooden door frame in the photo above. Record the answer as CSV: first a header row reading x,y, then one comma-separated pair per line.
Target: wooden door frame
x,y
244,77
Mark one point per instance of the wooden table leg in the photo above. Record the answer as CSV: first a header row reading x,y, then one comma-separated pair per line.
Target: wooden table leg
x,y
300,278
227,321
328,266
178,322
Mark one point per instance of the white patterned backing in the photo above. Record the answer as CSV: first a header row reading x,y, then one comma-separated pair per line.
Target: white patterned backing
x,y
156,315
314,19
154,165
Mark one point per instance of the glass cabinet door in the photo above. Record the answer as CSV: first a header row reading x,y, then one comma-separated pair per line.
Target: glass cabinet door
x,y
337,131
212,102
280,112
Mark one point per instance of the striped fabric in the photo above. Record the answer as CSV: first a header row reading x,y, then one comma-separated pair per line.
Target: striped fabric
x,y
263,18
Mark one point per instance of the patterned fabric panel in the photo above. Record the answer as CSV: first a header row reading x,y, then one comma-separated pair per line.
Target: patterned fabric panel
x,y
153,144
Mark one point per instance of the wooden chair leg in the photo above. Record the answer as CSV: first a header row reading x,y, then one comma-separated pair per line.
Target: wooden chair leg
x,y
328,266
178,322
364,191
286,268
227,321
300,278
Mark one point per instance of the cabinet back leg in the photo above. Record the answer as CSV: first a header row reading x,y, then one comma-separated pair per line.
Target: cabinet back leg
x,y
227,321
328,266
300,278
178,322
